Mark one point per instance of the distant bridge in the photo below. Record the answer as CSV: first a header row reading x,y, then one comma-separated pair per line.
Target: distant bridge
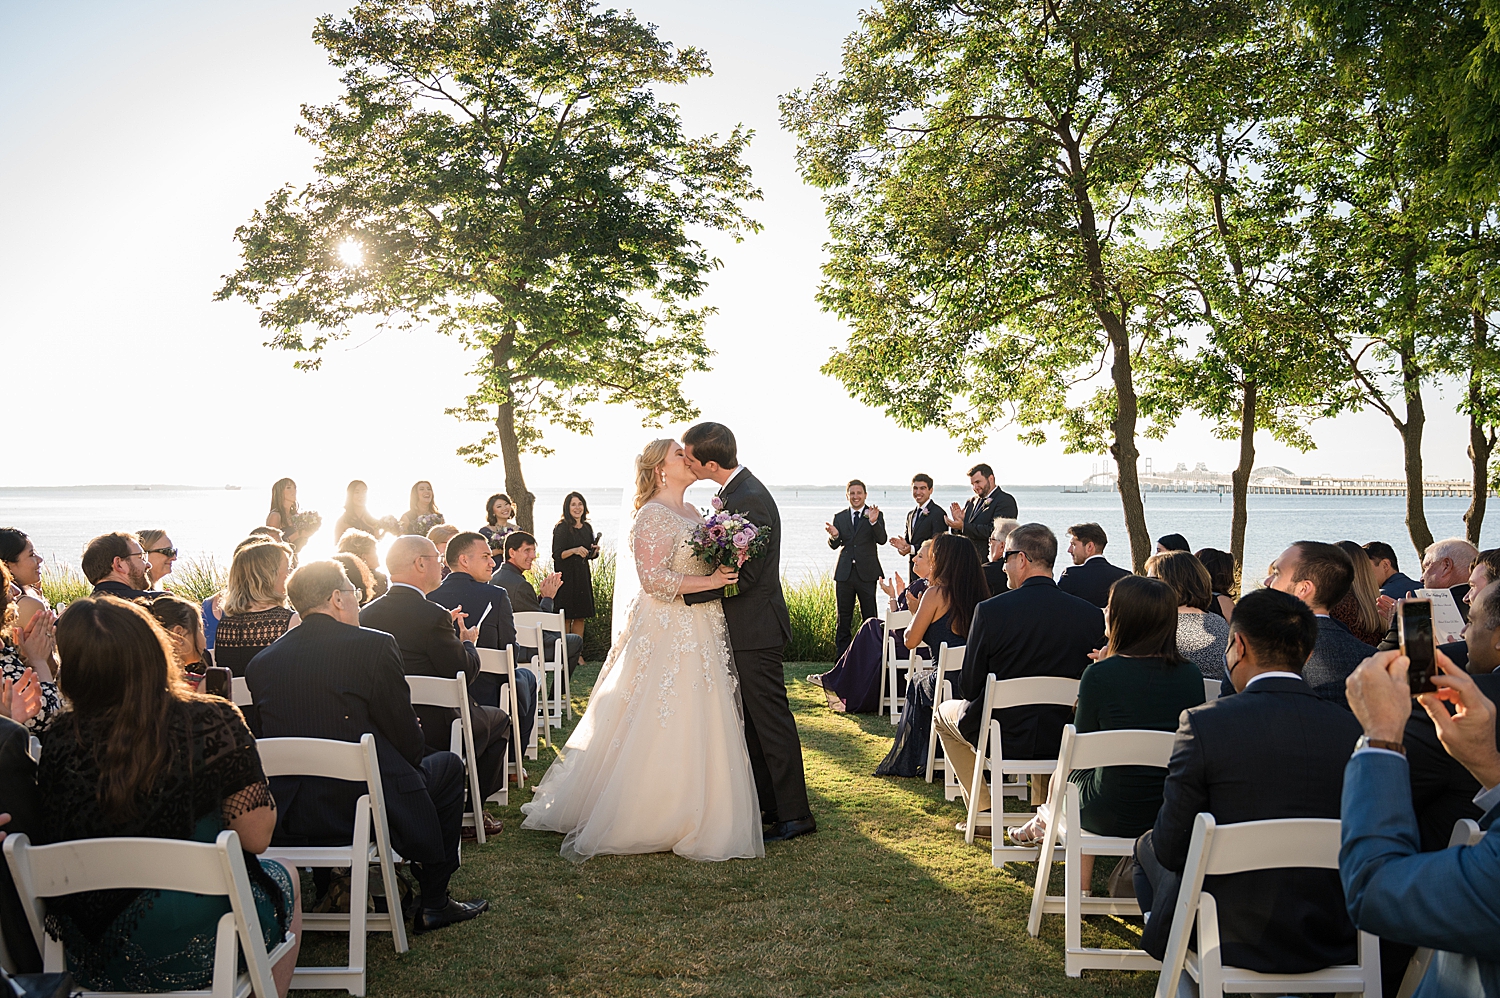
x,y
1207,481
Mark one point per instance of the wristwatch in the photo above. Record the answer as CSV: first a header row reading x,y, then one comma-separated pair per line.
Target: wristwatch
x,y
1365,741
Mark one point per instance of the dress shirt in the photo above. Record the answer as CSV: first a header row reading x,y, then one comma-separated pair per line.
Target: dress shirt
x,y
409,586
1268,675
732,475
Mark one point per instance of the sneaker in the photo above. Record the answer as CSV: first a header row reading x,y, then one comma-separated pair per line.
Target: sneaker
x,y
816,679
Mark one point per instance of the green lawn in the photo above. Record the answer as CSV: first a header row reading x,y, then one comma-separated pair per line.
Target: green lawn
x,y
886,899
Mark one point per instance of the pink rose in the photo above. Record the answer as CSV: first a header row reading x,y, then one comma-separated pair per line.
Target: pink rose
x,y
741,540
716,502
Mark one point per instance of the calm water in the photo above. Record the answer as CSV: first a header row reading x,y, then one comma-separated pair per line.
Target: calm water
x,y
211,521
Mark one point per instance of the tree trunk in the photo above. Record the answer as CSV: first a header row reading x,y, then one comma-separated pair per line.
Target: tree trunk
x,y
510,448
1481,438
1124,450
1411,442
1241,484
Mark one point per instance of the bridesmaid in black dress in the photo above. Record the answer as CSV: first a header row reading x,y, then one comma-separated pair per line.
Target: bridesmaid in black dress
x,y
574,545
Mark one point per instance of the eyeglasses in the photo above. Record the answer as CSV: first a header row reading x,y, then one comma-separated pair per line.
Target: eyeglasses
x,y
136,554
164,552
359,594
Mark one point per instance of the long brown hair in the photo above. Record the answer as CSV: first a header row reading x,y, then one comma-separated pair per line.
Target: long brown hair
x,y
1142,615
1364,587
276,506
414,498
957,572
118,669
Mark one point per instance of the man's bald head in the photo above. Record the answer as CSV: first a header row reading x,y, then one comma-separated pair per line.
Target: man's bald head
x,y
413,560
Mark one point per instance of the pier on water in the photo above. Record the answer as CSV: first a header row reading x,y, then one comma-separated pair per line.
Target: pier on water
x,y
1262,484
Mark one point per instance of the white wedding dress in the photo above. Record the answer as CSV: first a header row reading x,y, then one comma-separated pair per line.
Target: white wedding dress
x,y
658,761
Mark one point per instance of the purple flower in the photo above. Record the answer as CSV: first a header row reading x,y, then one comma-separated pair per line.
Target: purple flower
x,y
741,539
716,502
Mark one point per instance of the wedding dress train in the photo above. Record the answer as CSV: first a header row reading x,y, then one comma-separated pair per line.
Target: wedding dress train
x,y
658,761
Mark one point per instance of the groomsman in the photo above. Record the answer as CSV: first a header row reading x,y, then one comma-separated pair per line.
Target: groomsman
x,y
854,533
977,517
922,524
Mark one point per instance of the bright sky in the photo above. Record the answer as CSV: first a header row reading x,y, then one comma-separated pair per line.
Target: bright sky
x,y
137,136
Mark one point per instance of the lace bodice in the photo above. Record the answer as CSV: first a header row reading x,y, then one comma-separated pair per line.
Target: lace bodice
x,y
659,540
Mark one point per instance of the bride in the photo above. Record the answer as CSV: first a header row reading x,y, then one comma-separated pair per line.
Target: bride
x,y
658,761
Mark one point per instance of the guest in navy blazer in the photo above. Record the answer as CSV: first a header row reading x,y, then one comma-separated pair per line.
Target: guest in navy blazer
x,y
1319,575
923,522
855,533
1090,575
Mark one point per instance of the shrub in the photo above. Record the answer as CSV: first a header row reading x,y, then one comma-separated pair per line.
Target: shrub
x,y
814,611
63,584
596,633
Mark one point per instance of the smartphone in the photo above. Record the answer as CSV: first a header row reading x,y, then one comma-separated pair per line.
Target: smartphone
x,y
217,682
1415,617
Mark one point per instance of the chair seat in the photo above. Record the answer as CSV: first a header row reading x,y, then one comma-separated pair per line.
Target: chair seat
x,y
321,856
1347,977
1100,845
242,986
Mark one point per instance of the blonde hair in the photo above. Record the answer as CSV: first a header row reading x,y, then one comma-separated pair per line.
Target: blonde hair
x,y
252,577
647,482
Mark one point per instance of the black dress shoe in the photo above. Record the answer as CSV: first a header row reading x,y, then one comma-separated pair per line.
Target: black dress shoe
x,y
432,919
783,830
767,819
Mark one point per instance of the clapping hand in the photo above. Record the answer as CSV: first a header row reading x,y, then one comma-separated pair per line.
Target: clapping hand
x,y
37,639
1386,607
872,513
1098,653
551,584
888,586
955,516
465,633
899,543
832,530
22,700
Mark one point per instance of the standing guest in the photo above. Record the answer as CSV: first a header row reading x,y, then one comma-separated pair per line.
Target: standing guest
x,y
1035,629
976,518
1220,565
440,535
468,587
141,755
1202,637
160,554
1172,542
357,516
359,574
429,647
116,565
1319,575
255,610
1275,750
923,522
182,620
519,552
283,514
498,511
994,569
421,513
943,617
331,678
362,546
26,660
1359,610
574,545
1090,575
855,533
1392,581
25,565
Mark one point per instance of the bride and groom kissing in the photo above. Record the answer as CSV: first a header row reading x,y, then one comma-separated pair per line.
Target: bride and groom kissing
x,y
688,732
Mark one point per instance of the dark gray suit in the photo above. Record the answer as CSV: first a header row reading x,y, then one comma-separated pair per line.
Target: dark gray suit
x,y
922,524
1091,580
979,519
523,599
1336,654
858,568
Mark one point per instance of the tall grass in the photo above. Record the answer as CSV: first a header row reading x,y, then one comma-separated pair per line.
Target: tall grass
x,y
596,636
814,611
197,578
63,584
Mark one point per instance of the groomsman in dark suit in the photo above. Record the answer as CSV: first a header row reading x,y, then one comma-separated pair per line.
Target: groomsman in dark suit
x,y
1090,576
923,522
977,517
855,533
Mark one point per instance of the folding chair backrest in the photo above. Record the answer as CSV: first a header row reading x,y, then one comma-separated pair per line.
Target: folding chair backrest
x,y
435,691
897,620
1120,747
1272,845
546,621
1211,688
496,661
950,659
241,691
1466,832
1029,690
325,757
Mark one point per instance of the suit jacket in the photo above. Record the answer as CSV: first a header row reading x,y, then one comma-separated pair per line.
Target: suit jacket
x,y
1442,790
18,797
429,647
1443,899
1335,654
757,617
1277,750
1399,585
487,605
326,679
523,598
922,524
857,545
1036,630
979,518
1091,580
994,575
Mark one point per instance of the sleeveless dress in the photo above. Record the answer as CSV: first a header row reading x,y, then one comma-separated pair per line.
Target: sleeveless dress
x,y
658,763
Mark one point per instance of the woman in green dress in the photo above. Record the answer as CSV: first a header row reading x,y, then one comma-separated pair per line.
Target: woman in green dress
x,y
140,754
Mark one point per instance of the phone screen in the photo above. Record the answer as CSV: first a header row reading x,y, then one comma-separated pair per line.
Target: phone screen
x,y
1417,645
216,682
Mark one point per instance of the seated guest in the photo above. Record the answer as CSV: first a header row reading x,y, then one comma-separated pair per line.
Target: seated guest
x,y
22,814
1220,565
1392,581
1035,629
1140,683
498,511
183,622
25,565
429,647
1319,575
331,678
115,564
161,555
1171,542
519,555
359,573
362,546
139,754
1277,750
1447,565
1442,899
1201,636
255,611
440,535
213,606
1359,610
994,569
1090,575
26,659
943,617
468,588
854,685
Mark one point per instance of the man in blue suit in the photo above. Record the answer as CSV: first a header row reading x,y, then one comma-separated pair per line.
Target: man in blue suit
x,y
1445,900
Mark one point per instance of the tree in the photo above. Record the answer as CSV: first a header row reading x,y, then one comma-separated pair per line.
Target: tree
x,y
983,164
503,170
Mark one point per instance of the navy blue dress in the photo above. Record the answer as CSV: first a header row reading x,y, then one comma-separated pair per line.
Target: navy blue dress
x,y
854,684
908,756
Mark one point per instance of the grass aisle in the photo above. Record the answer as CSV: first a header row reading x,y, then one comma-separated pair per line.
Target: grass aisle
x,y
886,899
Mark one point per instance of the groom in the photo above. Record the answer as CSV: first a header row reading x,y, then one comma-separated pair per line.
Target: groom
x,y
759,628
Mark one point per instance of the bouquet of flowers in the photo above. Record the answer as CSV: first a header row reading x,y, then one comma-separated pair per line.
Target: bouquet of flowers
x,y
426,522
728,540
306,522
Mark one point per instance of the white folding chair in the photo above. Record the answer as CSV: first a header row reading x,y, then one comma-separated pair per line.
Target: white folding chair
x,y
947,659
240,692
501,662
1211,688
1120,747
1466,832
892,666
357,763
34,748
1219,850
990,757
214,868
435,691
559,701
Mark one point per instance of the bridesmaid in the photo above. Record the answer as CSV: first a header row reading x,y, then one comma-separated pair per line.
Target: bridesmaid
x,y
574,545
283,510
422,514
